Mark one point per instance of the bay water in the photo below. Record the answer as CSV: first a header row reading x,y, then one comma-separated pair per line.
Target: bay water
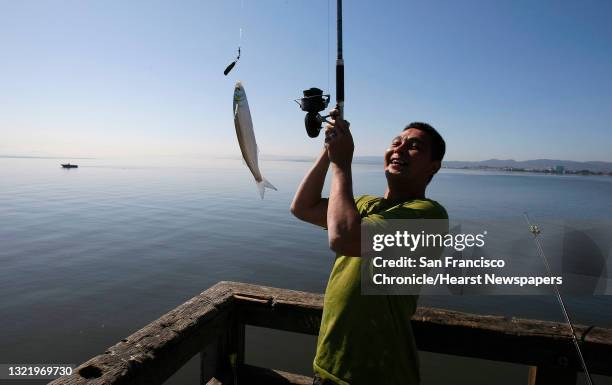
x,y
92,254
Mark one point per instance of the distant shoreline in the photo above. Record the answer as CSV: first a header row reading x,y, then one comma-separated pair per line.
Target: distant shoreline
x,y
538,166
583,172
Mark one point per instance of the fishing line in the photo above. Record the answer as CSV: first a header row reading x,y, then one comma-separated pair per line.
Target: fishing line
x,y
241,21
535,230
232,64
314,101
328,43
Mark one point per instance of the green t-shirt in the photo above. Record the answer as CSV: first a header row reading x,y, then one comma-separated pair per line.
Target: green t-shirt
x,y
367,339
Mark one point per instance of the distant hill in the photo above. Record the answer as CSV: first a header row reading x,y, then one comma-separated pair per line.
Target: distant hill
x,y
536,164
533,164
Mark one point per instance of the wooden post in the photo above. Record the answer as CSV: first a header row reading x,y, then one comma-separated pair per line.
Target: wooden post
x,y
237,341
209,361
531,375
234,354
223,359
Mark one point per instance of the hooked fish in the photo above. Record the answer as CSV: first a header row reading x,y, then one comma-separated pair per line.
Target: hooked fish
x,y
246,137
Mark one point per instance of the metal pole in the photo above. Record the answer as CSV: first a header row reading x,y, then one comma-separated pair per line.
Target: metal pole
x,y
536,232
340,65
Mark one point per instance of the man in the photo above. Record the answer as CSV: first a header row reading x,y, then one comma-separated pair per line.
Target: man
x,y
367,339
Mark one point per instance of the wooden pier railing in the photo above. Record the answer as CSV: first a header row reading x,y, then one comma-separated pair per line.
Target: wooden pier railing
x,y
212,324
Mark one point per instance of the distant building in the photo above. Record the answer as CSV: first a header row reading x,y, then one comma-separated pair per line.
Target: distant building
x,y
559,169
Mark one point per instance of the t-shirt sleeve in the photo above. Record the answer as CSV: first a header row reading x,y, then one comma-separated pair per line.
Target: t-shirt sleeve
x,y
435,221
362,203
424,209
383,222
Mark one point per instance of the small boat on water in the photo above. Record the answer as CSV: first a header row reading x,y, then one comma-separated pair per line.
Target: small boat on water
x,y
68,165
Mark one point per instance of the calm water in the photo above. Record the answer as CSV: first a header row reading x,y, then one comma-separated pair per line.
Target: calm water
x,y
90,255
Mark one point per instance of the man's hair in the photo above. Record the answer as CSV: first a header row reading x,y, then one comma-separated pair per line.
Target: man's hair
x,y
438,145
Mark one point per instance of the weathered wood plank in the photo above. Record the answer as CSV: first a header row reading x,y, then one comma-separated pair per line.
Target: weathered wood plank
x,y
275,295
155,352
218,315
523,341
279,309
281,316
254,375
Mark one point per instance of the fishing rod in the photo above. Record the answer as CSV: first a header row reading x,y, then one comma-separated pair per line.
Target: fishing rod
x,y
339,64
535,230
314,101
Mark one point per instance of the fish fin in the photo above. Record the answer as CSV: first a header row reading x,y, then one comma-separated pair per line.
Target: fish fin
x,y
261,186
268,184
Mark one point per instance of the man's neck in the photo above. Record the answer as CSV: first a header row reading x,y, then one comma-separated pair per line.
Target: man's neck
x,y
403,195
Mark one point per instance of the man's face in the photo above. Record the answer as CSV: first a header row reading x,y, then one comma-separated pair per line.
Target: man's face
x,y
409,157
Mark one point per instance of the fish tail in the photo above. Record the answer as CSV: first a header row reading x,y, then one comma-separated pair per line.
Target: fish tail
x,y
261,185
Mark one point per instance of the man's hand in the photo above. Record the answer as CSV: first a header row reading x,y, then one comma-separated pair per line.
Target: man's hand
x,y
339,141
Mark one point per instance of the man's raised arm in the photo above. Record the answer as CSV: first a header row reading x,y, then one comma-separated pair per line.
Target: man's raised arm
x,y
343,220
308,205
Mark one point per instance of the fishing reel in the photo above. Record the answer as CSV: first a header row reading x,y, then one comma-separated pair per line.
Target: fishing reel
x,y
313,102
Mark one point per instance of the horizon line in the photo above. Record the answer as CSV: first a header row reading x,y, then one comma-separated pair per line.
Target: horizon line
x,y
272,157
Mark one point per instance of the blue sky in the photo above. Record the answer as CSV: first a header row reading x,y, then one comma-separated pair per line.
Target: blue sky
x,y
515,79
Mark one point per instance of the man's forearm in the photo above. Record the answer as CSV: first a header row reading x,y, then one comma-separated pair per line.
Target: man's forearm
x,y
343,221
307,202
